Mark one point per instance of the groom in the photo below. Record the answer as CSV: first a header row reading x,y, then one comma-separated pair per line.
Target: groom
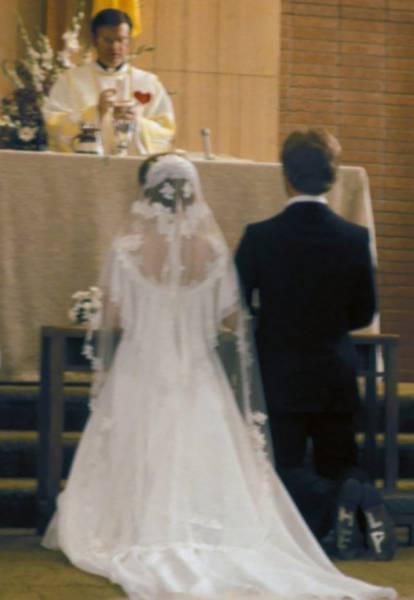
x,y
315,281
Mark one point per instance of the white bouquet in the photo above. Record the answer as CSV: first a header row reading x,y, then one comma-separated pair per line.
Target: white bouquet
x,y
86,305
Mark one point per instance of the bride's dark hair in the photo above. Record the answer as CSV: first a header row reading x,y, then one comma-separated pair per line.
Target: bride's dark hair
x,y
144,167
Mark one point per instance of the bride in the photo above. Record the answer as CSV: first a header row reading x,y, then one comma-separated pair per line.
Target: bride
x,y
172,491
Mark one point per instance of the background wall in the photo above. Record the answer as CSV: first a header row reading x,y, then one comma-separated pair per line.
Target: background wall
x,y
349,65
220,59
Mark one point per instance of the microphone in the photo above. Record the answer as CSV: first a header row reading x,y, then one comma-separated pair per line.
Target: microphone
x,y
205,136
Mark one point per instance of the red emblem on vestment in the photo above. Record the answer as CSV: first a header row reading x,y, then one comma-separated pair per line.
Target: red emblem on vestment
x,y
142,97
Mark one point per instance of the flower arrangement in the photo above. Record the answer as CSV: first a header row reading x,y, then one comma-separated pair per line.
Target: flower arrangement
x,y
21,121
86,305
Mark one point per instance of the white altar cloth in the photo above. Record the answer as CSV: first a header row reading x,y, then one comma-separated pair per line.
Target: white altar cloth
x,y
58,213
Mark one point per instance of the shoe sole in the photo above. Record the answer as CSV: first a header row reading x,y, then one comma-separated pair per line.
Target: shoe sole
x,y
380,537
346,534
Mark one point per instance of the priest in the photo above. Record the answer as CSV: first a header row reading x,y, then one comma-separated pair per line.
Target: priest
x,y
90,92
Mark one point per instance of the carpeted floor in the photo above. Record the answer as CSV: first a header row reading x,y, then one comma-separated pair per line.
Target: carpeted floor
x,y
28,572
398,573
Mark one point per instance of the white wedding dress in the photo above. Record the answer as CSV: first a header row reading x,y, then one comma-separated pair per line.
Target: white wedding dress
x,y
171,494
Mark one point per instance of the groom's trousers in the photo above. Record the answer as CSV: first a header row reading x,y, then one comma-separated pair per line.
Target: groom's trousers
x,y
314,453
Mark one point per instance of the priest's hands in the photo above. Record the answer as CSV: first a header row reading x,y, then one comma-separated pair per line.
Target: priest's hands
x,y
106,102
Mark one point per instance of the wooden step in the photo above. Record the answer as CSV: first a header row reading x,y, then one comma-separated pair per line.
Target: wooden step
x,y
18,404
18,502
18,453
18,407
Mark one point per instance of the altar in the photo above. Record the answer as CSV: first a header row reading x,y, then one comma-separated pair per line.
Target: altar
x,y
59,212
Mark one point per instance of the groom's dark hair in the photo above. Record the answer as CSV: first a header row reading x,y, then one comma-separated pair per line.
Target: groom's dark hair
x,y
110,17
310,160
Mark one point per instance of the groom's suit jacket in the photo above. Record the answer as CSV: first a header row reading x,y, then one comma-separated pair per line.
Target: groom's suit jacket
x,y
314,275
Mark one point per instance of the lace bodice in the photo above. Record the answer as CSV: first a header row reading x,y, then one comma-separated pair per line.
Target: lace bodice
x,y
189,309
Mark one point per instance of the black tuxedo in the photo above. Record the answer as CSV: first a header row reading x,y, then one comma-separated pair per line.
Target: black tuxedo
x,y
313,272
315,281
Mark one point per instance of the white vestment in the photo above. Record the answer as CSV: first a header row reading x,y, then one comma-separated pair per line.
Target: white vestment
x,y
74,97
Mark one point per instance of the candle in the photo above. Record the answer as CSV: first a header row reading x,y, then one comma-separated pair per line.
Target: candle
x,y
123,91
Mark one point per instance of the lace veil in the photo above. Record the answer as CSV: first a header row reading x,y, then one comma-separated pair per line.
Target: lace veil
x,y
172,243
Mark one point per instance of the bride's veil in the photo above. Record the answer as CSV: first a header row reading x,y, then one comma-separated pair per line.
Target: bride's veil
x,y
172,241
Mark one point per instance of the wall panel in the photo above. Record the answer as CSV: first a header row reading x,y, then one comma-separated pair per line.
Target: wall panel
x,y
367,60
227,54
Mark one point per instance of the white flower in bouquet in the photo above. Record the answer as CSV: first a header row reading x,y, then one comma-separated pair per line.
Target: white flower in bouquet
x,y
80,296
87,304
96,293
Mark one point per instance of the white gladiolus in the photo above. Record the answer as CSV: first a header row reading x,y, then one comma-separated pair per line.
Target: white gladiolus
x,y
71,41
64,58
33,53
